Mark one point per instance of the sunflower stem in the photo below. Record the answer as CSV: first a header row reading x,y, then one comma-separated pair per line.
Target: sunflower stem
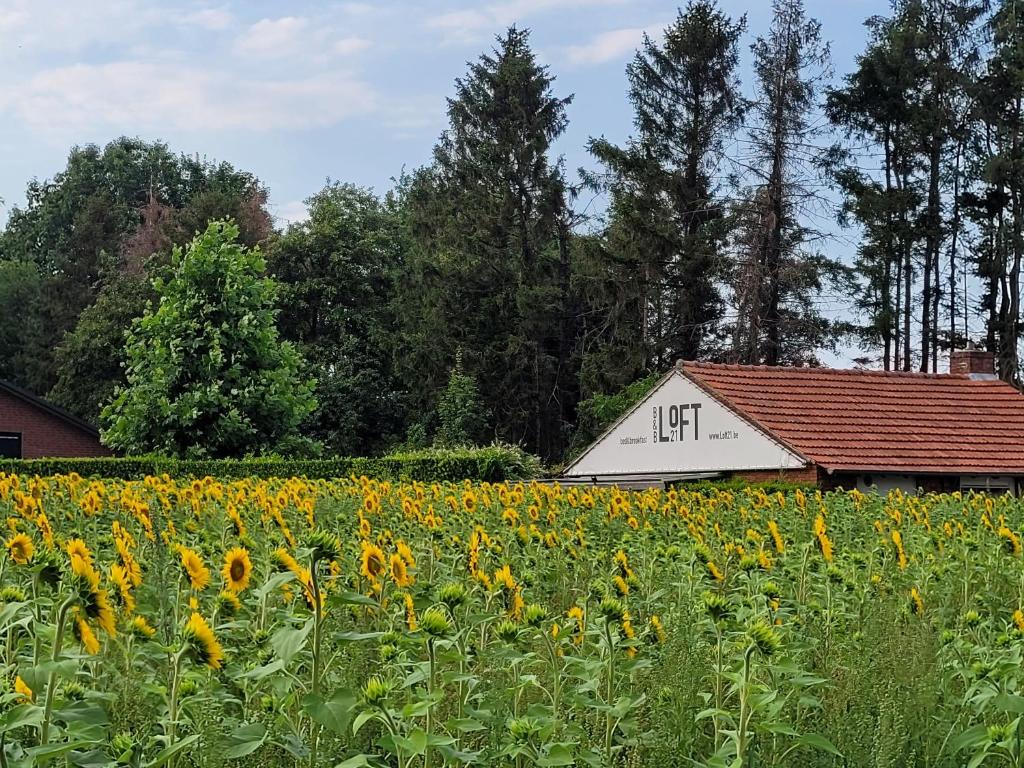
x,y
51,681
172,703
317,640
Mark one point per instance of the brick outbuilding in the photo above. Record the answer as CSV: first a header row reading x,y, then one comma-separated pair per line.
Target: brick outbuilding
x,y
32,428
833,428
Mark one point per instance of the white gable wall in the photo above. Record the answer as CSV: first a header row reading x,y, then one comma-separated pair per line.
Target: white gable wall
x,y
680,428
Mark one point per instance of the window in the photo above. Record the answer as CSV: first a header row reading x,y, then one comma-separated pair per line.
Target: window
x,y
10,445
983,484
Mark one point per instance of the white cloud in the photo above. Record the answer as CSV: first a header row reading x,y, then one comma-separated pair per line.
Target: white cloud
x,y
614,44
291,213
347,46
297,37
139,95
213,19
273,38
38,26
488,19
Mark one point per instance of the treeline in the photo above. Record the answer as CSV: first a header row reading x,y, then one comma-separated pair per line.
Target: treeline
x,y
481,299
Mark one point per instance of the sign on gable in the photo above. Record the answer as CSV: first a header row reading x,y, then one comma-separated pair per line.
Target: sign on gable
x,y
681,428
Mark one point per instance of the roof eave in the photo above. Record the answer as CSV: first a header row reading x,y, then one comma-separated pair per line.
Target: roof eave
x,y
57,412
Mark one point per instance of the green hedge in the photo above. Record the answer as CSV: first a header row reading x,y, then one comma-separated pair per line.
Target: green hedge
x,y
493,464
736,485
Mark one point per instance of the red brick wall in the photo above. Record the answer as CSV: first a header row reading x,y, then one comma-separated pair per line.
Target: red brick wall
x,y
808,474
972,361
44,435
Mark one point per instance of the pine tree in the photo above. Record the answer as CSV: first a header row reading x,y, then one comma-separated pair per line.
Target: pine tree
x,y
776,278
874,109
997,206
489,270
461,415
666,214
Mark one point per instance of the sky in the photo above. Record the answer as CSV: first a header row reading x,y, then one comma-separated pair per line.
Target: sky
x,y
301,92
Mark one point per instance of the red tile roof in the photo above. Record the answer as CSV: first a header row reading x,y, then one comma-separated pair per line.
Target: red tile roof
x,y
877,421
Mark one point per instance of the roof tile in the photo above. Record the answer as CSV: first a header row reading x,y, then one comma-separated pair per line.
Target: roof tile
x,y
878,421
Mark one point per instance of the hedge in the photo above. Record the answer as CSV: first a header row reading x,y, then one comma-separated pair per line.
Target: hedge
x,y
736,485
491,464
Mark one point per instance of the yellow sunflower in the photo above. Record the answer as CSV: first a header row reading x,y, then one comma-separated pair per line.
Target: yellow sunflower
x,y
141,628
77,548
410,612
372,562
97,607
22,689
20,548
237,569
193,566
229,602
119,575
203,642
399,572
86,636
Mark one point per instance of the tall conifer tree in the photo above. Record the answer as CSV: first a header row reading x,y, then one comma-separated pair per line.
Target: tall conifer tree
x,y
666,219
489,271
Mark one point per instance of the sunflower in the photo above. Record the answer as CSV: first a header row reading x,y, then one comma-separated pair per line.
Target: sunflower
x,y
97,607
86,636
406,553
77,548
21,688
399,573
372,562
237,569
20,548
192,564
229,602
410,612
203,642
119,575
141,628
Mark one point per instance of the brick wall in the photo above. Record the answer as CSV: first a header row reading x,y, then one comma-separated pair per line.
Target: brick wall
x,y
808,474
44,435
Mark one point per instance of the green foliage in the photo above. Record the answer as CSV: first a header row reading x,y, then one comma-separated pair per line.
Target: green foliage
x,y
493,463
19,288
489,268
91,360
102,217
462,416
666,232
207,374
738,485
336,272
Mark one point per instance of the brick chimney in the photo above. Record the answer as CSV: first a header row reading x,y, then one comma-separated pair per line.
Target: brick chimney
x,y
976,363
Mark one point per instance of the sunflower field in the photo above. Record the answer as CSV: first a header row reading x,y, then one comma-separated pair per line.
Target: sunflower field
x,y
353,622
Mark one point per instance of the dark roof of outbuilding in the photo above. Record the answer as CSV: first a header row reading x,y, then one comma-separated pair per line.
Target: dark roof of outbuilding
x,y
48,407
878,421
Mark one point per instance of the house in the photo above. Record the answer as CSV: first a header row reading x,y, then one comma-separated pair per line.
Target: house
x,y
32,428
833,428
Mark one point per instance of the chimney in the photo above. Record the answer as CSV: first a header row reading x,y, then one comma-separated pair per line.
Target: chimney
x,y
976,363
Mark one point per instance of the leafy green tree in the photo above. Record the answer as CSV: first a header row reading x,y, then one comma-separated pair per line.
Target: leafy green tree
x,y
667,220
489,270
461,414
101,218
19,289
207,374
997,204
91,360
336,273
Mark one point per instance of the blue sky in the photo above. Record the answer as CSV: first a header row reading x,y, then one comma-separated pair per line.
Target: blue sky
x,y
304,91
